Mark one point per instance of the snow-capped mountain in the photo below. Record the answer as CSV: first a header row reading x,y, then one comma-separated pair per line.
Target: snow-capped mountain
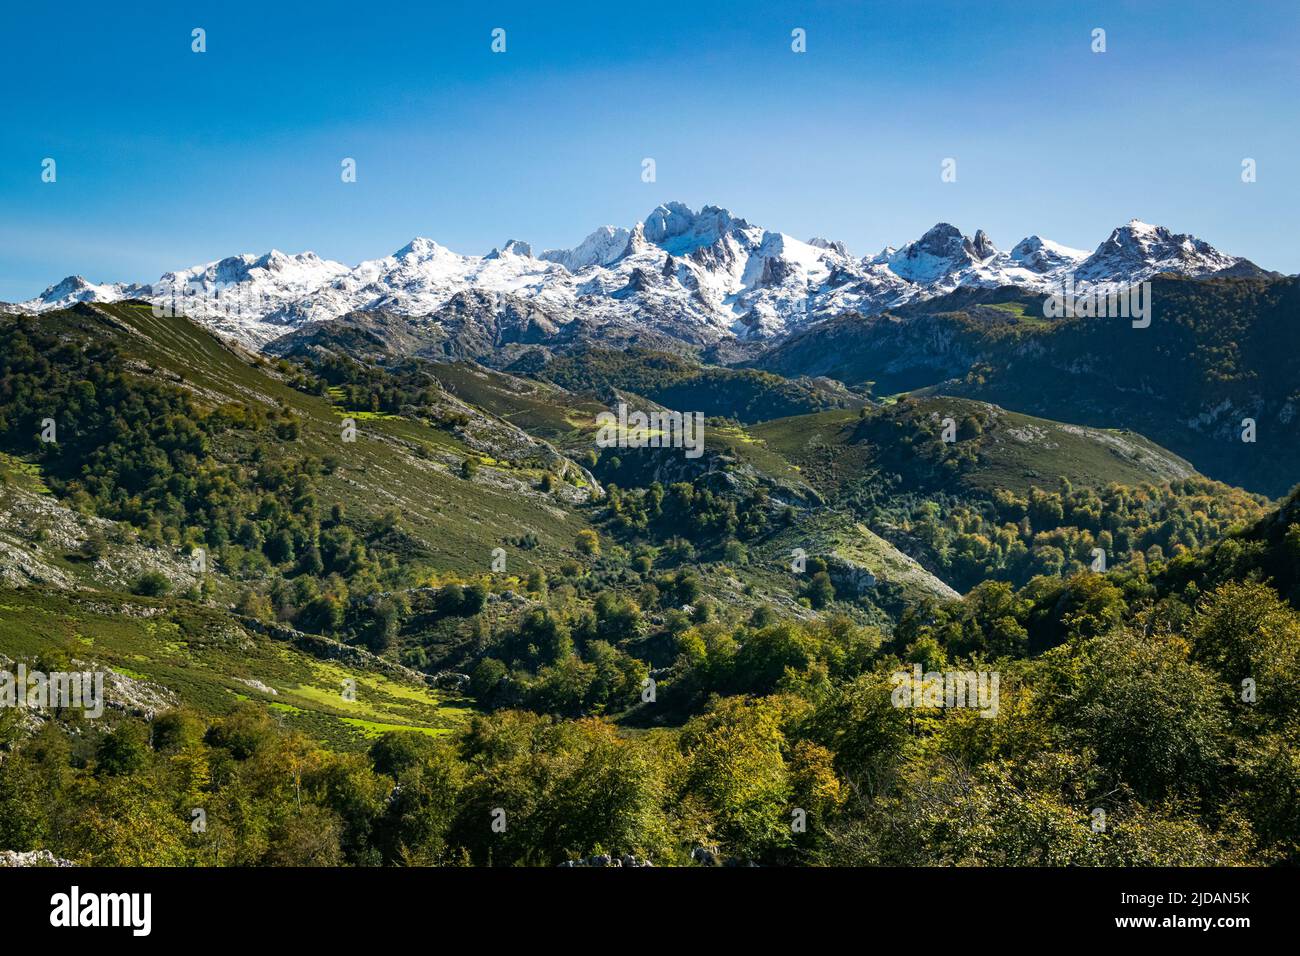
x,y
941,253
699,276
76,289
1139,250
244,296
600,248
1042,256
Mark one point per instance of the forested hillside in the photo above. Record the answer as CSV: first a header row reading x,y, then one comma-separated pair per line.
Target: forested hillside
x,y
1215,353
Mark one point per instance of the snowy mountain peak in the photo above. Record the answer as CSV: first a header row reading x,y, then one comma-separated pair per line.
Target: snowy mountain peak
x,y
939,235
600,248
513,247
1042,255
1138,250
67,286
830,245
942,251
420,248
74,289
302,272
678,230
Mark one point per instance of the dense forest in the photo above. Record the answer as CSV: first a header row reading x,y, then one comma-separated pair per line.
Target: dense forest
x,y
1122,696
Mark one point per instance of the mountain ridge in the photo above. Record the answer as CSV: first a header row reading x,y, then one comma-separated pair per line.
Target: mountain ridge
x,y
699,276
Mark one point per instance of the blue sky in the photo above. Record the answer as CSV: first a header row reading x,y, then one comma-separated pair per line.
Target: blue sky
x,y
167,158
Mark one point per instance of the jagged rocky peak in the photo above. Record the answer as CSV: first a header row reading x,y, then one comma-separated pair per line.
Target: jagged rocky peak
x,y
230,269
830,245
636,241
678,229
1139,249
277,277
941,251
982,246
513,247
66,287
1136,238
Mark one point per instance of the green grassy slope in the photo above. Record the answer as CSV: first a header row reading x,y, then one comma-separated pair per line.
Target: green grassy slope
x,y
539,408
395,463
178,653
1015,451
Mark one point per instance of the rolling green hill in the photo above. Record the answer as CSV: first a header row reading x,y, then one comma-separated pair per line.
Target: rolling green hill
x,y
674,381
1216,352
1010,495
1002,449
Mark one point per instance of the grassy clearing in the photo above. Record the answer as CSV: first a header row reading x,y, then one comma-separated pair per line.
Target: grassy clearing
x,y
217,663
23,475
